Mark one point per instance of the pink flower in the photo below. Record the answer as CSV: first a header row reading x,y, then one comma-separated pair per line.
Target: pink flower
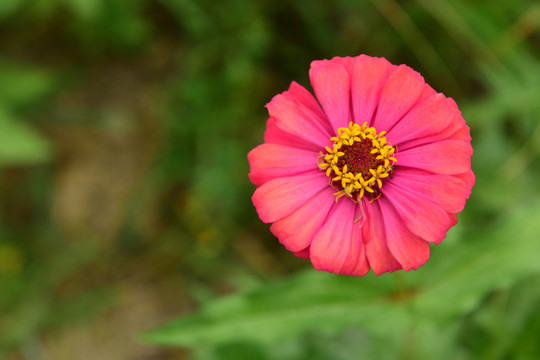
x,y
369,179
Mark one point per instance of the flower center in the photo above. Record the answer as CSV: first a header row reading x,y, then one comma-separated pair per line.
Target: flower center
x,y
359,161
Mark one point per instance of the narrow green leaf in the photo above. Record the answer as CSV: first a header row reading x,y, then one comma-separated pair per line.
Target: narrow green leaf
x,y
486,260
454,281
314,300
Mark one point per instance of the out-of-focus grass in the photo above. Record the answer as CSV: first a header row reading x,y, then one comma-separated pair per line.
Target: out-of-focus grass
x,y
124,197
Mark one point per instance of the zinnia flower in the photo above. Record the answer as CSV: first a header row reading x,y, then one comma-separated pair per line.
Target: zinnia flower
x,y
371,176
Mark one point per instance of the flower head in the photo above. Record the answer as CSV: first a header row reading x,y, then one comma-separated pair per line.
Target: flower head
x,y
368,178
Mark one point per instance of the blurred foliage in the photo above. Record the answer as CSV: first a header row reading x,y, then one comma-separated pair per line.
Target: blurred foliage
x,y
124,197
411,310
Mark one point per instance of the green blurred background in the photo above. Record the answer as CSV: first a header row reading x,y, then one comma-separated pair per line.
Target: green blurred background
x,y
125,201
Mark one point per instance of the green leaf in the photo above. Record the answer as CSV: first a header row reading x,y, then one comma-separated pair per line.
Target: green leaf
x,y
506,325
9,7
21,85
312,300
86,9
454,281
486,260
20,144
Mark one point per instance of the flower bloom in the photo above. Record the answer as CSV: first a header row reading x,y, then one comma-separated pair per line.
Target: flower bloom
x,y
368,178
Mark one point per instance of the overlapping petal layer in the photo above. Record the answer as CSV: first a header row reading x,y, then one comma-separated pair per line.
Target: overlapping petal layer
x,y
415,206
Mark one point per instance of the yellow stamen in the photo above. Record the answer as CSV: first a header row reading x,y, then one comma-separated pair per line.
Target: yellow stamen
x,y
342,162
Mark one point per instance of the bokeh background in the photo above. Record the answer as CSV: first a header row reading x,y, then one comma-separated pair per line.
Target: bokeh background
x,y
125,201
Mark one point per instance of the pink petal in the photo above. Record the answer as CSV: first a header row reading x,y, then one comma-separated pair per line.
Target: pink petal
x,y
368,79
297,120
410,250
278,198
446,191
421,216
304,254
427,118
469,179
274,155
453,219
456,129
304,98
427,91
347,62
331,83
331,244
263,176
356,263
400,93
275,135
459,133
297,230
378,255
269,161
463,133
442,157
